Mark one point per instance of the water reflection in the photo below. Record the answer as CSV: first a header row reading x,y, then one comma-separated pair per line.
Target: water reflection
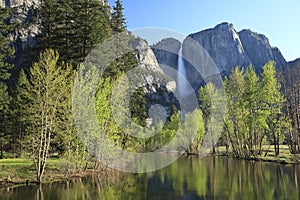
x,y
188,178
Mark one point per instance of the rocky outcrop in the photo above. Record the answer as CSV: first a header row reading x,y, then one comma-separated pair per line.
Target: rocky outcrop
x,y
146,57
166,52
159,89
24,15
17,3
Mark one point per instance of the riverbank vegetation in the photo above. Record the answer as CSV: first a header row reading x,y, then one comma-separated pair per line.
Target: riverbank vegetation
x,y
37,123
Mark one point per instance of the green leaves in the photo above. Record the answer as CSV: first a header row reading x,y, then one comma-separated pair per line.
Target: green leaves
x,y
254,110
73,28
40,97
118,19
6,53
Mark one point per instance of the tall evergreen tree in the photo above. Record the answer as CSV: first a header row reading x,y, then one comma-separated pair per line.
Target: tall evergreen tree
x,y
118,19
21,98
73,28
6,53
91,25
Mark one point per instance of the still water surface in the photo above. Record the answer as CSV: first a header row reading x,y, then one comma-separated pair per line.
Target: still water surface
x,y
188,178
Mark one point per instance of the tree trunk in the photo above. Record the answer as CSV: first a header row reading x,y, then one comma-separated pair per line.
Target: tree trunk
x,y
1,154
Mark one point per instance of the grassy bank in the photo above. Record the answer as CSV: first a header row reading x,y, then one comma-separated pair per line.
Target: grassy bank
x,y
268,155
22,171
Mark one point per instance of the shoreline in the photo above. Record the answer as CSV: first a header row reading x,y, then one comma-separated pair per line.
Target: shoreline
x,y
17,182
53,175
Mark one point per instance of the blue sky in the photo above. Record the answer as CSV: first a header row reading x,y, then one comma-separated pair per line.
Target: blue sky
x,y
278,20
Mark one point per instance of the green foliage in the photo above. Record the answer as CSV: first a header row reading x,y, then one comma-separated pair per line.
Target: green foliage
x,y
256,117
21,97
104,110
290,81
137,106
42,94
118,19
210,105
274,101
73,28
6,53
254,111
6,50
164,133
196,143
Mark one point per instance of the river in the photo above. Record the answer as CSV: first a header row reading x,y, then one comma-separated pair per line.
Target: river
x,y
187,178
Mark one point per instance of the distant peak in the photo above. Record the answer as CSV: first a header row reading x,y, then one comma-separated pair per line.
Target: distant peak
x,y
222,27
224,24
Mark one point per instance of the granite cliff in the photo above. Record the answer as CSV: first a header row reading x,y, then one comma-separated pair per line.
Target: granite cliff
x,y
227,48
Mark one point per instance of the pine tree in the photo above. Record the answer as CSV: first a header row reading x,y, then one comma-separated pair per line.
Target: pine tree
x,y
6,53
118,19
4,117
20,100
73,28
6,50
91,25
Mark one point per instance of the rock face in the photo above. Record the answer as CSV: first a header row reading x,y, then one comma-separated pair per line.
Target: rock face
x,y
159,90
16,3
24,37
166,52
226,47
294,63
223,44
146,57
259,50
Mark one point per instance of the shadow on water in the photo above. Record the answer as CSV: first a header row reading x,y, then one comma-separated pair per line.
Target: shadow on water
x,y
188,178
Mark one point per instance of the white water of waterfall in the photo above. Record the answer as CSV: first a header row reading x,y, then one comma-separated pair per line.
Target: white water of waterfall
x,y
182,83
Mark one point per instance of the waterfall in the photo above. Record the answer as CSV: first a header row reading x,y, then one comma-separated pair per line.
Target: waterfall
x,y
182,83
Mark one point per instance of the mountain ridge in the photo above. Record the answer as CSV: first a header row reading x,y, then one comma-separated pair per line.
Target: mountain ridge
x,y
228,48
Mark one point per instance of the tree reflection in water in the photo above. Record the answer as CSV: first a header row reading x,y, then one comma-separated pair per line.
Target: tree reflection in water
x,y
188,178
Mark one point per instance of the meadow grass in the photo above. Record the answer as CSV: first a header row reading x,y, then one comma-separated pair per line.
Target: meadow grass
x,y
284,156
22,169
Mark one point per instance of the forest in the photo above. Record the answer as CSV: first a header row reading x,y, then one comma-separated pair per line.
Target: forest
x,y
262,108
